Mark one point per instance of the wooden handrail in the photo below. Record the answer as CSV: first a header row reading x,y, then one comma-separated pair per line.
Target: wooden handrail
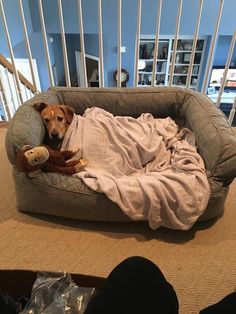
x,y
6,64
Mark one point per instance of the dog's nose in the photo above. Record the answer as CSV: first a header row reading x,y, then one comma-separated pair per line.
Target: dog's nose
x,y
54,134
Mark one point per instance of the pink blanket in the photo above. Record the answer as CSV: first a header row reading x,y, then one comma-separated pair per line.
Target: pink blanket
x,y
152,171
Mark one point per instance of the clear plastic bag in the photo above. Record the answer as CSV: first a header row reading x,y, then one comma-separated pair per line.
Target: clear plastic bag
x,y
56,293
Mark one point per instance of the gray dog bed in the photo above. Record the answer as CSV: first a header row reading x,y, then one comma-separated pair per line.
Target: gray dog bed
x,y
66,196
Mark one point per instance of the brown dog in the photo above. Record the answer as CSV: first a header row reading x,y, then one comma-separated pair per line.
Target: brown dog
x,y
56,119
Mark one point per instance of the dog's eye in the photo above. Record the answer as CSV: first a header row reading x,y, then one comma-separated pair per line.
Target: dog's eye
x,y
46,120
36,159
60,119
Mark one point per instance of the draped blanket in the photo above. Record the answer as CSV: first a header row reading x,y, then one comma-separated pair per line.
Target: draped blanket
x,y
146,166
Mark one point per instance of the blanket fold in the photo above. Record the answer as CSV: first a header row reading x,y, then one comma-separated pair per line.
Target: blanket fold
x,y
146,166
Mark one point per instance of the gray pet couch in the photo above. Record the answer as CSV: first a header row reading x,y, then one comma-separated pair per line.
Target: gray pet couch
x,y
66,196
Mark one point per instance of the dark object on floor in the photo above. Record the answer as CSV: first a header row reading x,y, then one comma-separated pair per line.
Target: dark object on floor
x,y
136,286
225,306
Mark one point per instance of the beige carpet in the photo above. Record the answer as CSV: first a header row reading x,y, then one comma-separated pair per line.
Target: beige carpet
x,y
201,263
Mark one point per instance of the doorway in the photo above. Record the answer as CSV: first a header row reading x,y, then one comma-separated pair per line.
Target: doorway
x,y
92,68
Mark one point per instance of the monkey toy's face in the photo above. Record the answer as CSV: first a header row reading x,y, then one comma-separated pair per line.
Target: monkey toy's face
x,y
37,155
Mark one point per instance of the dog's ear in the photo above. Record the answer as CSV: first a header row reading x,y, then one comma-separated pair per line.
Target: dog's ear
x,y
69,113
40,106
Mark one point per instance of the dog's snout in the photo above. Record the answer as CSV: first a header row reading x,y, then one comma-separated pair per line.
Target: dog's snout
x,y
54,133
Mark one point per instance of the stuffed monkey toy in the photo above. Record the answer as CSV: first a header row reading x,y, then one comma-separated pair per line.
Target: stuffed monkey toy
x,y
48,160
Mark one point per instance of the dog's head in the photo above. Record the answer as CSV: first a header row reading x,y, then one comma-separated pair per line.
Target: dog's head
x,y
56,119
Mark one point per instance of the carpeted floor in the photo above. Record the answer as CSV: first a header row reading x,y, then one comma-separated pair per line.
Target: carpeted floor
x,y
200,263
